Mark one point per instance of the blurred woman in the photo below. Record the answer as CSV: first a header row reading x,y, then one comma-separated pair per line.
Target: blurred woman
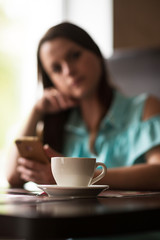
x,y
85,116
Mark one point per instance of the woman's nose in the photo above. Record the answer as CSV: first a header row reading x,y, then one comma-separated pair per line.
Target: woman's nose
x,y
68,69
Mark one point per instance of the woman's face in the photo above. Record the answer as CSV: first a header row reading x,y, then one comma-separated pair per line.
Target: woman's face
x,y
74,71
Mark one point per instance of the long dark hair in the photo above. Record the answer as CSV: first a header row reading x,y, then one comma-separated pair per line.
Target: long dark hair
x,y
54,135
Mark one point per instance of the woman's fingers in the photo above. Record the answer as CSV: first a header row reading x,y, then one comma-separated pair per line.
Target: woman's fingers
x,y
34,171
29,173
64,102
54,101
30,164
50,152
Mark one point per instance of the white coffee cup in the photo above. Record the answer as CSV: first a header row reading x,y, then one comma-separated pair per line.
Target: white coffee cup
x,y
75,171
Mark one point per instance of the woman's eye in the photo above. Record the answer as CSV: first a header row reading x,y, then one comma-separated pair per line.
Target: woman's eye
x,y
56,68
76,55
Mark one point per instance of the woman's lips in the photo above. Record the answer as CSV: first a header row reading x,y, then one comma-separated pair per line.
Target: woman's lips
x,y
76,82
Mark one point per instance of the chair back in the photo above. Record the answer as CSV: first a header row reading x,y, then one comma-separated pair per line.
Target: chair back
x,y
136,71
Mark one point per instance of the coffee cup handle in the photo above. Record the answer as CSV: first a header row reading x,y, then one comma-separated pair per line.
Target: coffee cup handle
x,y
101,175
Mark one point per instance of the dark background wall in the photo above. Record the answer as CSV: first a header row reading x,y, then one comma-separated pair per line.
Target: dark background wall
x,y
136,23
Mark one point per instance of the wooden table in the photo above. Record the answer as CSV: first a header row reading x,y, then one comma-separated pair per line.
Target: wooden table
x,y
37,217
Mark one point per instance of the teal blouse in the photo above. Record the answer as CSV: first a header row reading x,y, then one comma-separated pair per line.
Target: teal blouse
x,y
123,138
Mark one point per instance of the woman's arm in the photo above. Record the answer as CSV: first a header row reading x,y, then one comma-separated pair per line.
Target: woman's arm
x,y
137,177
29,129
21,170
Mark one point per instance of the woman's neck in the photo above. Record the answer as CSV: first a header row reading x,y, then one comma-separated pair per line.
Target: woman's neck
x,y
92,111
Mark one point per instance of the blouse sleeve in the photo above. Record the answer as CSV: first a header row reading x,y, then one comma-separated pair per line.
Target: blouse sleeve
x,y
144,137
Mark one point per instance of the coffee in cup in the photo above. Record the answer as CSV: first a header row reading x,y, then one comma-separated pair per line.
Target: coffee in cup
x,y
76,171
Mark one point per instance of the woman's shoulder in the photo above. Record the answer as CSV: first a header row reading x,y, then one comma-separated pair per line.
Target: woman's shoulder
x,y
133,100
151,108
131,105
138,107
137,100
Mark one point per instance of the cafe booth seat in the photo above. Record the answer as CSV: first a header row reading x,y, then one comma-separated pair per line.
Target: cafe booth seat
x,y
136,71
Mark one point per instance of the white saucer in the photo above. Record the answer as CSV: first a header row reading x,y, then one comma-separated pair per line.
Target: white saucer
x,y
61,191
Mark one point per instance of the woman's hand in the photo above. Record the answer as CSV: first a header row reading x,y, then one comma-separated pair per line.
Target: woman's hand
x,y
30,170
39,173
53,101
